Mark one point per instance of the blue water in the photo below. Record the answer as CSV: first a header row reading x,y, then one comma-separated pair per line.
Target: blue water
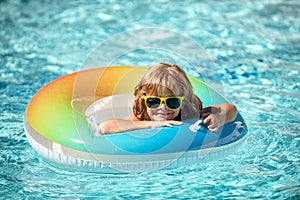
x,y
250,52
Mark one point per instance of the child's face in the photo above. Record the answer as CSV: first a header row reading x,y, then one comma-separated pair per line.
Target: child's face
x,y
162,113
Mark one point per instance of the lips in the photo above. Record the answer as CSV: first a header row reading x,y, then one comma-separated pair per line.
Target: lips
x,y
164,113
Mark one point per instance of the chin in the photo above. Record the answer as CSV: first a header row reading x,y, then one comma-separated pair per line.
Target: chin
x,y
163,118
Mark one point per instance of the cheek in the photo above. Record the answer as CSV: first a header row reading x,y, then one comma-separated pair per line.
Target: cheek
x,y
176,112
151,113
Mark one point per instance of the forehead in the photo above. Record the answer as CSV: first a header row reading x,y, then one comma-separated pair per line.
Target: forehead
x,y
162,91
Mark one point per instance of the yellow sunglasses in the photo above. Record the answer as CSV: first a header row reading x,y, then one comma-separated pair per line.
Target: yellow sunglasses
x,y
172,102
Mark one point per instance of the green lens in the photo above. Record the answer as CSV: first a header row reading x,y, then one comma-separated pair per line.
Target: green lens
x,y
153,102
173,103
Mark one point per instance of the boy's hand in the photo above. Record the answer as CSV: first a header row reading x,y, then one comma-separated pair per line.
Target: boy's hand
x,y
169,123
213,118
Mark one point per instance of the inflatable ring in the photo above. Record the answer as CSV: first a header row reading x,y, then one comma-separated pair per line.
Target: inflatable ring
x,y
57,127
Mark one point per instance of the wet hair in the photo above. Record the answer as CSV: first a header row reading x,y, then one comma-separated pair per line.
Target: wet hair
x,y
166,80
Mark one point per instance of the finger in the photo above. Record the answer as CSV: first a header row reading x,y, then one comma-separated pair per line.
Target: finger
x,y
213,129
211,126
207,120
168,124
204,115
174,122
178,123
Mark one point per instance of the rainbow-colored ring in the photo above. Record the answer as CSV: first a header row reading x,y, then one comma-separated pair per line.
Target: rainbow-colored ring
x,y
61,134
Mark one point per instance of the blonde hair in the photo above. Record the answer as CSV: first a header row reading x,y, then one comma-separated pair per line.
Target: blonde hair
x,y
166,80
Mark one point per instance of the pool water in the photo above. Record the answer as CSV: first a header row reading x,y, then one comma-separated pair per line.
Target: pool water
x,y
249,52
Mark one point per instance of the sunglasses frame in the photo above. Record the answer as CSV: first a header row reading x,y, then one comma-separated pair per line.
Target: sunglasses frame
x,y
163,100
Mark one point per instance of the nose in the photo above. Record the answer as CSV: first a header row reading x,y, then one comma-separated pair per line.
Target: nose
x,y
163,106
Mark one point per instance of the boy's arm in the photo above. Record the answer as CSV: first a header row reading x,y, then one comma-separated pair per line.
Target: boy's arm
x,y
112,126
131,123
